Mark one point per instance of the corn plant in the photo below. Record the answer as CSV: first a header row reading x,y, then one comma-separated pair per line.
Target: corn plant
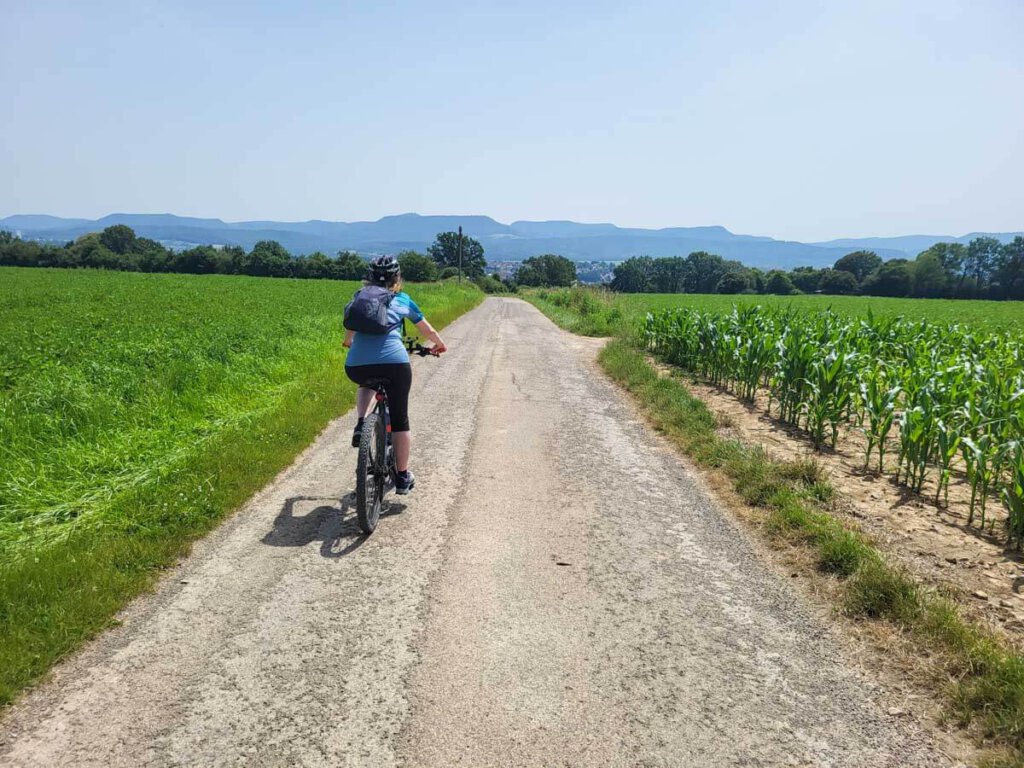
x,y
979,456
878,400
1013,495
917,435
829,397
948,440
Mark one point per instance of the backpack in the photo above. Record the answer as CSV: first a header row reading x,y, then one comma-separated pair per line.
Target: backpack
x,y
368,311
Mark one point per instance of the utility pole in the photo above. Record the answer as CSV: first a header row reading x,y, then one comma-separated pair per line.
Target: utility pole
x,y
460,254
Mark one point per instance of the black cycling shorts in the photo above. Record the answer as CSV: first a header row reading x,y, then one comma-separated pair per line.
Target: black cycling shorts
x,y
397,378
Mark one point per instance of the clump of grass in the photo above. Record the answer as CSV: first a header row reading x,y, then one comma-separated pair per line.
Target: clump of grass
x,y
842,552
805,471
724,421
879,591
789,519
996,691
821,492
989,689
758,479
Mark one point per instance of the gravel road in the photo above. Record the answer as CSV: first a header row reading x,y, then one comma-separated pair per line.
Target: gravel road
x,y
558,590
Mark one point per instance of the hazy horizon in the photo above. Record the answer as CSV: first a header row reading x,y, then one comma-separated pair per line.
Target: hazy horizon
x,y
804,123
4,215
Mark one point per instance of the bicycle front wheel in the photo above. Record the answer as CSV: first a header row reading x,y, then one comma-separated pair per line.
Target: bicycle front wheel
x,y
370,473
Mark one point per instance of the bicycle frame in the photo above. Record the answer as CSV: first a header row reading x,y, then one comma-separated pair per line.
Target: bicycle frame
x,y
381,396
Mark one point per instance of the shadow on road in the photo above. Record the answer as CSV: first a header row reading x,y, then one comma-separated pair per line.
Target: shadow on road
x,y
332,522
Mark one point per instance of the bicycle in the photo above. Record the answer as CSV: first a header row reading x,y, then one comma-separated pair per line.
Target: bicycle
x,y
375,467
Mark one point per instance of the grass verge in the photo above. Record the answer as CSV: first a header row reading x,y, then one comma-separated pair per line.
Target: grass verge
x,y
54,597
987,679
586,311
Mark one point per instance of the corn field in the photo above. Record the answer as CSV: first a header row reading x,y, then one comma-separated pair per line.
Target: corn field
x,y
932,400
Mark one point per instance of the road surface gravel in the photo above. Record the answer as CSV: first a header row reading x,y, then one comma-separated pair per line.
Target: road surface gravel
x,y
558,590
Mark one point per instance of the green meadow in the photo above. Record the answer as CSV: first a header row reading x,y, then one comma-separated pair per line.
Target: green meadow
x,y
135,411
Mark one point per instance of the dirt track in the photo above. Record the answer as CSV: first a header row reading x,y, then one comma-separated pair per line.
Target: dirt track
x,y
557,591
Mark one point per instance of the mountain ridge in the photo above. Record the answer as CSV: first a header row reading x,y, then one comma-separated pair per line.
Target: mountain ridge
x,y
502,242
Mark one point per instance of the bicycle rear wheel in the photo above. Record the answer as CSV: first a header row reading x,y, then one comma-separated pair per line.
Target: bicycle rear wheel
x,y
370,473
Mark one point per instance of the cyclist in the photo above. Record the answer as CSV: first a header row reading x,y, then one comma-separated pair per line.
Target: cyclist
x,y
384,357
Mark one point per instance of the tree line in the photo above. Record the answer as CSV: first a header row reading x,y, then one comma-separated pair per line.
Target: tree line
x,y
119,248
982,269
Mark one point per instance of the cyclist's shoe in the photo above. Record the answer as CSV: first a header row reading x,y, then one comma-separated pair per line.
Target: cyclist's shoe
x,y
357,434
404,482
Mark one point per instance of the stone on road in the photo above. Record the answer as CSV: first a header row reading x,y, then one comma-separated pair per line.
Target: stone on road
x,y
558,590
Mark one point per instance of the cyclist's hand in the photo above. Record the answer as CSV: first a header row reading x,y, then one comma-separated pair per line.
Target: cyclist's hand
x,y
438,348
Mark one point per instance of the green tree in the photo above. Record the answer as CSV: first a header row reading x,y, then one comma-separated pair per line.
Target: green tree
x,y
93,253
1010,269
15,252
118,238
860,264
893,278
837,282
149,256
417,267
950,255
779,283
445,253
806,278
633,275
529,275
232,259
703,271
981,259
200,260
758,280
315,266
348,266
931,280
547,270
268,258
560,270
668,275
735,281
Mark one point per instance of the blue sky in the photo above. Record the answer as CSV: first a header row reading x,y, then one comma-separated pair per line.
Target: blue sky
x,y
802,120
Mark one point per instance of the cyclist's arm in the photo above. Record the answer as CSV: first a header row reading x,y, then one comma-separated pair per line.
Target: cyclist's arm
x,y
432,336
349,335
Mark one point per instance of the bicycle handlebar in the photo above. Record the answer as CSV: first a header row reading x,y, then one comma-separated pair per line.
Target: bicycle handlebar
x,y
416,348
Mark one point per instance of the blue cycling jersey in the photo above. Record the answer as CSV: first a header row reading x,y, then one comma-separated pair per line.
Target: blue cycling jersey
x,y
385,348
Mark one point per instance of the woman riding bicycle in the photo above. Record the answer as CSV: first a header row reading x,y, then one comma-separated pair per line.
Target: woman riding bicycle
x,y
383,357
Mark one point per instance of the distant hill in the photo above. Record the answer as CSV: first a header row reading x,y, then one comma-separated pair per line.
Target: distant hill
x,y
40,223
507,242
912,245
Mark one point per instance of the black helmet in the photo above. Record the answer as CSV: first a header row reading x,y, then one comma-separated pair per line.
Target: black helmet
x,y
383,270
